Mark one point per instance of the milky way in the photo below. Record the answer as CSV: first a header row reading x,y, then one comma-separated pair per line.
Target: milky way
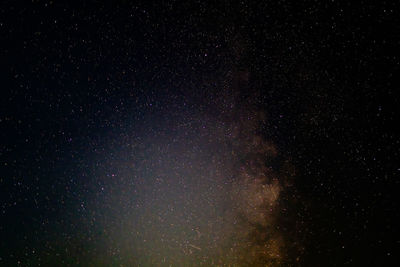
x,y
196,189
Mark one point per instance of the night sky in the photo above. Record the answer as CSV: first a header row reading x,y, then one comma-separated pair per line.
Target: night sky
x,y
199,134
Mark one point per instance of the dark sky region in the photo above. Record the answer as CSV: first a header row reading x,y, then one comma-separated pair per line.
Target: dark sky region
x,y
196,133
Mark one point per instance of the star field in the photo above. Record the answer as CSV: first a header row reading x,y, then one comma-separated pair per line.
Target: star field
x,y
198,134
